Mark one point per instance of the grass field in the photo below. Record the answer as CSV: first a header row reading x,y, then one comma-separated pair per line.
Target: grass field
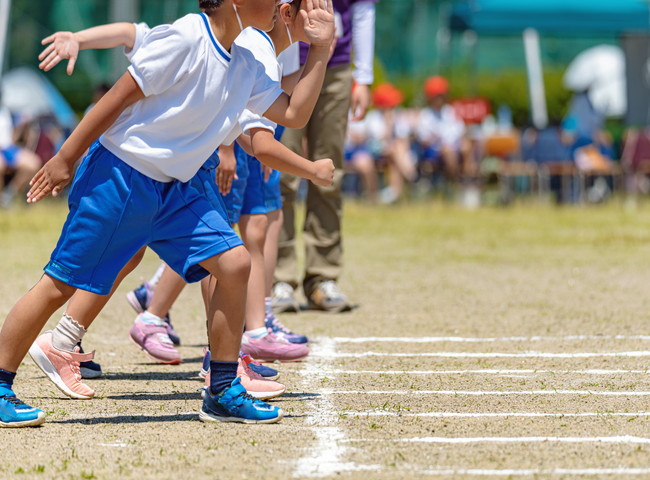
x,y
500,343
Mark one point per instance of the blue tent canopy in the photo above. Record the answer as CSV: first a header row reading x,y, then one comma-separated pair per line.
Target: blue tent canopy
x,y
560,17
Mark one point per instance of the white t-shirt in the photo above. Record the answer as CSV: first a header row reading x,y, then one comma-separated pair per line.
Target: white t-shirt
x,y
442,127
195,92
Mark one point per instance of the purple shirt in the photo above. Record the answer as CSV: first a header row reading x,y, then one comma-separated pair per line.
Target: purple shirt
x,y
343,47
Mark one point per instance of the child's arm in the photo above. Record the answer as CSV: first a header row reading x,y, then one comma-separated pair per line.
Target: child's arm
x,y
66,45
275,155
294,111
56,173
227,169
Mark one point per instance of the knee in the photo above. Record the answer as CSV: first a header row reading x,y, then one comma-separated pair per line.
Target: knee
x,y
55,290
238,266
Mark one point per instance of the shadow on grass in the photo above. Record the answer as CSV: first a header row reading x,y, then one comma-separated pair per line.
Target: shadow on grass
x,y
121,419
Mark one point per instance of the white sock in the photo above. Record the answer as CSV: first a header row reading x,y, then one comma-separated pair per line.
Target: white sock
x,y
151,319
267,306
257,332
67,334
156,276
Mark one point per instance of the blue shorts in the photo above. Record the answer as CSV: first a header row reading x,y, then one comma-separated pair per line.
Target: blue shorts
x,y
246,196
272,193
10,154
115,210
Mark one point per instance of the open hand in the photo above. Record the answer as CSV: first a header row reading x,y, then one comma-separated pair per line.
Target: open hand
x,y
324,176
318,18
62,45
52,178
227,170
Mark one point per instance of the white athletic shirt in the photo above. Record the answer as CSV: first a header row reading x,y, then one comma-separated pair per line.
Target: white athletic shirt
x,y
195,92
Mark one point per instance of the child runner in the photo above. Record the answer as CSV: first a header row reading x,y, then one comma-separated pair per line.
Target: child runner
x,y
133,189
85,306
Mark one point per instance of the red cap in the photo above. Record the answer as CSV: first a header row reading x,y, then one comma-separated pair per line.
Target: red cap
x,y
386,95
436,86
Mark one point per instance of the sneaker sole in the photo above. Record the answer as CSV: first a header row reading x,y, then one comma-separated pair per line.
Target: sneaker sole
x,y
156,359
271,360
41,360
338,309
27,423
207,418
285,308
133,301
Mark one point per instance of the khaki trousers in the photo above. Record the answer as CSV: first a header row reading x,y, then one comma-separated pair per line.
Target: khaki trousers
x,y
325,137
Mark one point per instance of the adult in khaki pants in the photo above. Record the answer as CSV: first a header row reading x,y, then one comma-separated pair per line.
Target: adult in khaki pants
x,y
325,137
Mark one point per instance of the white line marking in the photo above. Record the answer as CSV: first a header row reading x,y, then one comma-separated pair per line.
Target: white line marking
x,y
486,393
373,413
486,371
456,472
625,439
487,339
633,354
325,458
116,445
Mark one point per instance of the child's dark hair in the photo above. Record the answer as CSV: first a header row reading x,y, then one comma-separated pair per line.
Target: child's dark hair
x,y
209,5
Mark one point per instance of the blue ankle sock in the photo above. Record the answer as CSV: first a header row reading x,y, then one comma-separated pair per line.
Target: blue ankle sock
x,y
7,378
221,375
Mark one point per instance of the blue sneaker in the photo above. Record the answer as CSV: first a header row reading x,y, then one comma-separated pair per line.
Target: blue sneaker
x,y
235,405
274,324
14,413
267,372
205,366
140,298
89,369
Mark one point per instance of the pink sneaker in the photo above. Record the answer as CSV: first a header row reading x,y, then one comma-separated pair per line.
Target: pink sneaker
x,y
256,385
61,367
273,347
154,341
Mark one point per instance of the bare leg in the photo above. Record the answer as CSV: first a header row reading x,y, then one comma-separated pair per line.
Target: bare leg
x,y
170,286
85,306
275,219
363,163
253,230
226,316
27,318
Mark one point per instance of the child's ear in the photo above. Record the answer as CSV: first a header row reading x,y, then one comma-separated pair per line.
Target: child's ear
x,y
285,13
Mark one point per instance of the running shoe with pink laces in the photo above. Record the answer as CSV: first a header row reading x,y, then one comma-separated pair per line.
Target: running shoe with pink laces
x,y
273,347
274,325
62,367
154,341
256,385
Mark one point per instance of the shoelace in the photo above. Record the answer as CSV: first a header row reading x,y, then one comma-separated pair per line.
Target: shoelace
x,y
280,326
242,397
15,400
331,289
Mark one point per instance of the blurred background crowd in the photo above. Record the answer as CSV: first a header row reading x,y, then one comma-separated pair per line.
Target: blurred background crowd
x,y
474,101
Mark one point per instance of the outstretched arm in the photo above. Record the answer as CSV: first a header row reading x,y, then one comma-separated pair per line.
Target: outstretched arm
x,y
66,45
275,155
56,173
294,111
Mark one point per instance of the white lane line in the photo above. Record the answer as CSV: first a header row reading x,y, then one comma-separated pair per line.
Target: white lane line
x,y
325,457
528,354
373,413
529,472
486,393
487,339
625,439
485,371
114,445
